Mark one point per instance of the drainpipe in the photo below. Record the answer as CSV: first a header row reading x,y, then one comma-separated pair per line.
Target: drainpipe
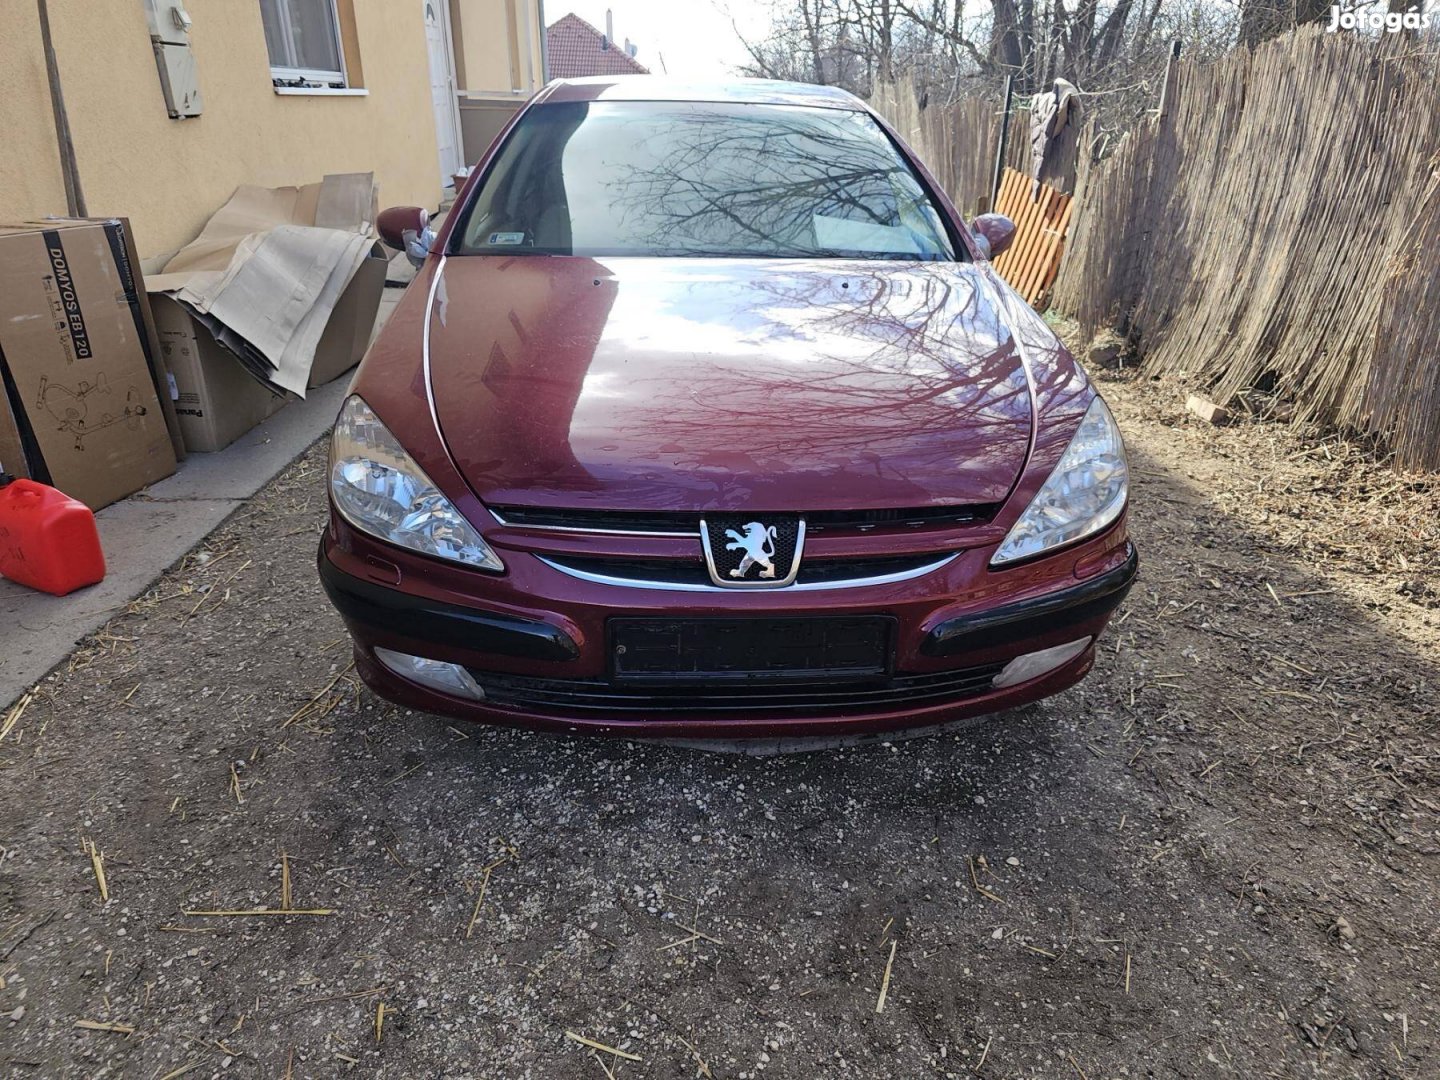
x,y
544,43
74,195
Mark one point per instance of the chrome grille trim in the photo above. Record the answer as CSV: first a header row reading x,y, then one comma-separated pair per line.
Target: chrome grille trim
x,y
669,586
693,534
934,518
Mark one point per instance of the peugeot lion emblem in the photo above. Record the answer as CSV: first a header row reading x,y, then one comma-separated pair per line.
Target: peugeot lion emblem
x,y
753,551
758,543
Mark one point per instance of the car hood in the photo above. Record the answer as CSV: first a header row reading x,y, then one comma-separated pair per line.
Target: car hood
x,y
695,384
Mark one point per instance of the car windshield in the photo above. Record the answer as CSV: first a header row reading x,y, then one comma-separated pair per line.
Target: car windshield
x,y
702,179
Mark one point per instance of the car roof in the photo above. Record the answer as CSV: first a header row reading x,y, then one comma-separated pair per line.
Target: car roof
x,y
663,88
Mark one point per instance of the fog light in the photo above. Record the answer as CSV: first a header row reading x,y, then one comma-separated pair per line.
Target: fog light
x,y
435,674
1034,664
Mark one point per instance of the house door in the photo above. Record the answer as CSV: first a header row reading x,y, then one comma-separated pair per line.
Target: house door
x,y
442,87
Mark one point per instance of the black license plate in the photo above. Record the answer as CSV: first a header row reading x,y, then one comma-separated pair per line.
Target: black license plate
x,y
740,650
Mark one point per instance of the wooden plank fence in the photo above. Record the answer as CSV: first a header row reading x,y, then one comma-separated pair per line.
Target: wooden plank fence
x,y
956,141
1031,261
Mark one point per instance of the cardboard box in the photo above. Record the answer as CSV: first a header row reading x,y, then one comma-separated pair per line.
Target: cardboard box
x,y
128,263
12,456
347,334
269,269
79,387
216,399
145,325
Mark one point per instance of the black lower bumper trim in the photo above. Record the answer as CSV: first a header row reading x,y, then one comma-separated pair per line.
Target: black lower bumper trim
x,y
1028,618
444,624
598,696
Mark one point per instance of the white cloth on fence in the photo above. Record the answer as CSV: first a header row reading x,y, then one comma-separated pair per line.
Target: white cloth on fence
x,y
1050,112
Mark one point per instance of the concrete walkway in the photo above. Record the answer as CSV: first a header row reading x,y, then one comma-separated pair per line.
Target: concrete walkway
x,y
144,534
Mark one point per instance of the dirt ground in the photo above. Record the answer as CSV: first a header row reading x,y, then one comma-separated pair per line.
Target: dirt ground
x,y
1218,856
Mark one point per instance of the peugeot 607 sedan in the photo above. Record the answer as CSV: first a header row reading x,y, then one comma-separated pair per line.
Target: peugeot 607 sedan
x,y
707,416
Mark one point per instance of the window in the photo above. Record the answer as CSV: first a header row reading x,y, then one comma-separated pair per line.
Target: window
x,y
703,179
303,37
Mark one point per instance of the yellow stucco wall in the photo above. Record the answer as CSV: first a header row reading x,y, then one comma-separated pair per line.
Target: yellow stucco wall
x,y
484,45
30,175
168,175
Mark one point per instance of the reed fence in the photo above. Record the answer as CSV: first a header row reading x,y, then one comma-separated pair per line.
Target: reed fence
x,y
1279,228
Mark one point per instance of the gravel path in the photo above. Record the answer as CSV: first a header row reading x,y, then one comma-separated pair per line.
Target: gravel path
x,y
1216,857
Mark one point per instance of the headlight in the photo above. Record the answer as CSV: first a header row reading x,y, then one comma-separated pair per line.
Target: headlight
x,y
378,488
1085,493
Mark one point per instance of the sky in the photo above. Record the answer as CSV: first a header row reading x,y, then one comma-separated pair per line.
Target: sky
x,y
695,38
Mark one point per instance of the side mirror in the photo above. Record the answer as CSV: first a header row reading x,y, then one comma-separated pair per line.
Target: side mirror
x,y
995,230
407,228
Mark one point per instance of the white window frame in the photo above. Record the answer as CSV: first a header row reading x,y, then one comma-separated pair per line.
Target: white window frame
x,y
298,78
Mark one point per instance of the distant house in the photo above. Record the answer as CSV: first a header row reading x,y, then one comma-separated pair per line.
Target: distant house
x,y
575,49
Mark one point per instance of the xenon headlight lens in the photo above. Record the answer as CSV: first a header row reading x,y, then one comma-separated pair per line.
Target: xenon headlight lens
x,y
1085,493
379,489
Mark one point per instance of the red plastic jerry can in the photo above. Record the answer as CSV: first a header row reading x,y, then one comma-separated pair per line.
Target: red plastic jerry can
x,y
48,540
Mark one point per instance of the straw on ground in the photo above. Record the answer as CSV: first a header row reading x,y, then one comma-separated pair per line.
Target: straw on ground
x,y
583,1041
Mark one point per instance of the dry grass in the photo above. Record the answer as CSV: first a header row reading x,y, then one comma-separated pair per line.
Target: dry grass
x,y
97,865
583,1041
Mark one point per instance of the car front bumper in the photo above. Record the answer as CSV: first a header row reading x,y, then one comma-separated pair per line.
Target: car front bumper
x,y
535,641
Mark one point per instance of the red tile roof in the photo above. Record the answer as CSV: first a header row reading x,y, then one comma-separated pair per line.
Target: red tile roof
x,y
577,49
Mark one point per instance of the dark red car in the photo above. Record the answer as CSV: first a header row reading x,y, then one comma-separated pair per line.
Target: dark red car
x,y
706,416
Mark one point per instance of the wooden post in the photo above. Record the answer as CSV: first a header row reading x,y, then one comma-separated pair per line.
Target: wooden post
x,y
1001,142
1167,91
74,194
